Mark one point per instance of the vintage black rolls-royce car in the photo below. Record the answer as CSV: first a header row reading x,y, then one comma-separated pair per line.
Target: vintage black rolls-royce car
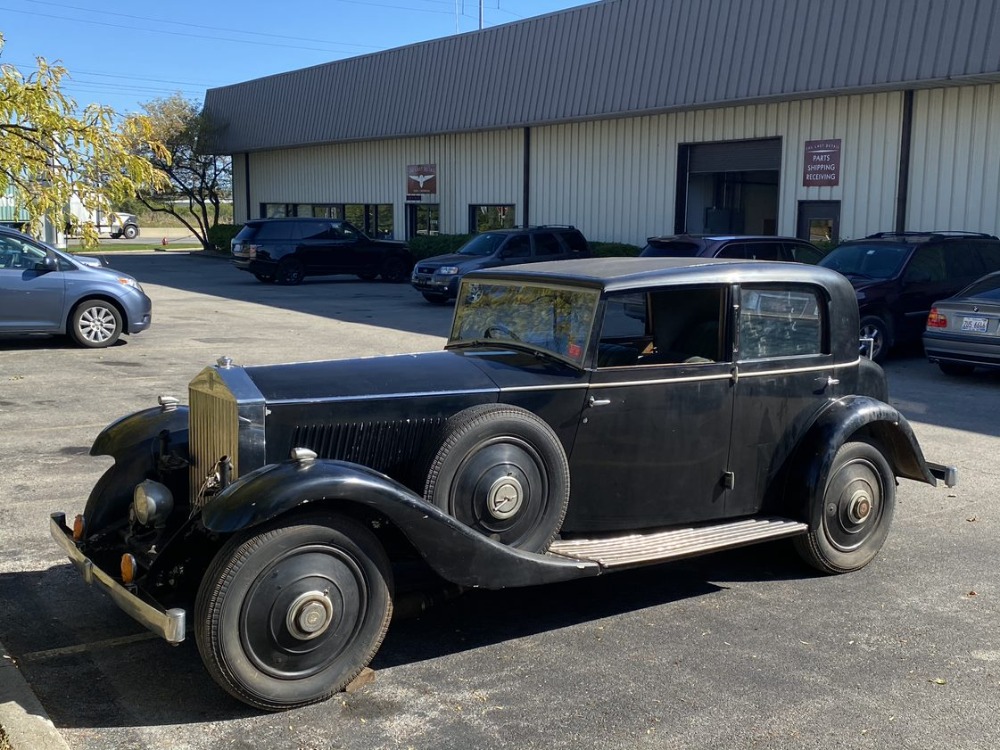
x,y
585,417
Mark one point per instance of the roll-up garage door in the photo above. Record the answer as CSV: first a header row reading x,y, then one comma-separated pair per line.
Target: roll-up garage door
x,y
735,156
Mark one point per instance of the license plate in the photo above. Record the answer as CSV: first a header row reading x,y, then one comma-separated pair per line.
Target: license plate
x,y
976,325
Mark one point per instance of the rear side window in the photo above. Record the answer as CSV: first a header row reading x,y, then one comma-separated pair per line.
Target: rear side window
x,y
780,322
927,264
989,254
734,251
575,242
247,233
316,230
804,253
276,230
547,244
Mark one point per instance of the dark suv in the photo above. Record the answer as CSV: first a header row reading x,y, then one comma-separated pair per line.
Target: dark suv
x,y
437,278
739,247
899,275
287,250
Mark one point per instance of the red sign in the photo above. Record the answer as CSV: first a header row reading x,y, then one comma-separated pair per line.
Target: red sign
x,y
822,164
421,179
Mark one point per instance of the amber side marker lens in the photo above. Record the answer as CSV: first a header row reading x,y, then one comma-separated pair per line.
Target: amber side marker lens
x,y
78,529
128,568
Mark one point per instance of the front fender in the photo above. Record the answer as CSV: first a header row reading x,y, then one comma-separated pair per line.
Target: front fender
x,y
453,550
842,420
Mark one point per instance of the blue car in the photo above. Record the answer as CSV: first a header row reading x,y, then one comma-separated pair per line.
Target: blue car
x,y
44,290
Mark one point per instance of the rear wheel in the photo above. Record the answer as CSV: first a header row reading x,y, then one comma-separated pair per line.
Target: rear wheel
x,y
875,328
851,518
289,614
956,368
290,272
95,324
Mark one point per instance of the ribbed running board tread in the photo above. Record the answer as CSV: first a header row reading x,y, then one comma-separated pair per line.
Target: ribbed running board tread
x,y
634,549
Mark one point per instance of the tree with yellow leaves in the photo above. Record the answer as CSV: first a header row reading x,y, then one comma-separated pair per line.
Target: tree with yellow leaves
x,y
50,149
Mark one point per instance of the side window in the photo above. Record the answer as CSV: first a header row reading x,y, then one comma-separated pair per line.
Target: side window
x,y
734,250
518,246
15,254
624,335
989,252
547,244
961,262
315,230
780,322
803,253
348,232
764,251
575,242
927,264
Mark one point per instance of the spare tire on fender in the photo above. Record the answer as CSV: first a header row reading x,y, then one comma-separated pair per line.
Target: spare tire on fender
x,y
502,471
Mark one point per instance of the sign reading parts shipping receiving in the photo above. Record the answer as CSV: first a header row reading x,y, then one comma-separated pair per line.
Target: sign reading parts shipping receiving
x,y
822,163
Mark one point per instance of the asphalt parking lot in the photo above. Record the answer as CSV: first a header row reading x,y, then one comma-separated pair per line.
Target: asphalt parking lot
x,y
743,649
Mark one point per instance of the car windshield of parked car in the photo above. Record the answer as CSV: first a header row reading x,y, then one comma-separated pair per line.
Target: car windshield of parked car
x,y
871,261
556,320
670,249
482,245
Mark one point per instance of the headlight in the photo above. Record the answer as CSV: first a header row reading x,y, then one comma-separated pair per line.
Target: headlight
x,y
448,270
129,281
152,503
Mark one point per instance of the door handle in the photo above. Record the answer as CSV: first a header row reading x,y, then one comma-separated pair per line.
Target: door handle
x,y
827,382
592,402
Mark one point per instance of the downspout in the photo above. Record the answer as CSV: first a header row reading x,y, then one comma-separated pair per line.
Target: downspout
x,y
905,141
246,182
526,189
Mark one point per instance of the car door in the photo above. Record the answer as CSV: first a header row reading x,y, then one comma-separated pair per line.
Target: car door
x,y
319,246
546,246
30,299
784,375
517,249
652,446
924,281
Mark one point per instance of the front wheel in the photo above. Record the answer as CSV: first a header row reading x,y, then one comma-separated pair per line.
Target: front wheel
x,y
289,614
851,518
131,231
95,324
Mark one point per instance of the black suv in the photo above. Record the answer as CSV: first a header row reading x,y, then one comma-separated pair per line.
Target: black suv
x,y
287,250
738,247
437,278
899,275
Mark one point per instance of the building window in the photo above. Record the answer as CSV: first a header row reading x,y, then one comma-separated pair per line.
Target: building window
x,y
277,210
374,219
483,218
422,219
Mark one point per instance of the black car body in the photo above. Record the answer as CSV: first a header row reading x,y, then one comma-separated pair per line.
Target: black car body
x,y
898,276
585,417
963,332
285,251
437,278
735,247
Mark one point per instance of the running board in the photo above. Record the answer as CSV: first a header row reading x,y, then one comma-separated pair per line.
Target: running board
x,y
636,549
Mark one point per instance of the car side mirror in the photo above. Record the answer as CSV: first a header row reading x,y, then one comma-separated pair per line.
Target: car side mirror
x,y
49,264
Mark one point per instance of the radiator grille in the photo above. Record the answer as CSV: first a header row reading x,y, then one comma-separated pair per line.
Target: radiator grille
x,y
213,431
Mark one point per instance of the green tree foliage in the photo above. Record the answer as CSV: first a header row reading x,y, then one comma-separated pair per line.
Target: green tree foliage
x,y
50,149
199,182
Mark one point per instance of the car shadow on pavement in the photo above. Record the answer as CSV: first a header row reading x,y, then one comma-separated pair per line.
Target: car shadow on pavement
x,y
100,669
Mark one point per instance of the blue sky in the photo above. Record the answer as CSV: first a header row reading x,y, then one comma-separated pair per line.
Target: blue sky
x,y
127,53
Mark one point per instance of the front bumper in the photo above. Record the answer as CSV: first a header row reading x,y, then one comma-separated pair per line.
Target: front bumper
x,y
169,625
435,284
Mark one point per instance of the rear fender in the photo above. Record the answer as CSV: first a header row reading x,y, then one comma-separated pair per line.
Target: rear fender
x,y
135,443
453,550
852,418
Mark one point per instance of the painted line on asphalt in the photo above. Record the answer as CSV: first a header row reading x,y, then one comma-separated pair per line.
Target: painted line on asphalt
x,y
54,653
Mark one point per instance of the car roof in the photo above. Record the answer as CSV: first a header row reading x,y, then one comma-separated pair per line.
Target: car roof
x,y
914,238
722,238
616,274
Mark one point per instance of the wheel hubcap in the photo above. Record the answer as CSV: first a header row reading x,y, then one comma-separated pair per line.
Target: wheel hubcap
x,y
309,615
505,498
860,507
853,505
97,324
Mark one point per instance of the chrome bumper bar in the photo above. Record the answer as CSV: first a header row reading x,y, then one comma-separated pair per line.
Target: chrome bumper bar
x,y
946,474
169,624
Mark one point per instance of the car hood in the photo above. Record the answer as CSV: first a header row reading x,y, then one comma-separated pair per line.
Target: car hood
x,y
90,261
466,262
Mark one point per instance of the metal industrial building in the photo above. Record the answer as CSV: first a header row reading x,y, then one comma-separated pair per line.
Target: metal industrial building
x,y
630,118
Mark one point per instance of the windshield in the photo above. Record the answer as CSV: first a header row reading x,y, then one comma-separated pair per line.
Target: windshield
x,y
482,244
542,317
871,261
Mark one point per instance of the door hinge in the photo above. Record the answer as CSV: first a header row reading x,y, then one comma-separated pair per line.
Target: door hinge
x,y
728,480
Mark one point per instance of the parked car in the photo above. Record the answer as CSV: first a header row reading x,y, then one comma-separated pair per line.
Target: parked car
x,y
749,247
285,251
437,278
44,290
899,275
559,435
963,332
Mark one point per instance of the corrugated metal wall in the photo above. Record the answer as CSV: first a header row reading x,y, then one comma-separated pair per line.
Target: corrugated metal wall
x,y
472,168
617,179
955,165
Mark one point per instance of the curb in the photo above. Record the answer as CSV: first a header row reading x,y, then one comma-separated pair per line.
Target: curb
x,y
24,724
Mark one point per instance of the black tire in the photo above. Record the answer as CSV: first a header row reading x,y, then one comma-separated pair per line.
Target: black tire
x,y
394,270
435,299
290,272
95,323
502,471
131,231
252,605
851,519
875,328
957,369
264,278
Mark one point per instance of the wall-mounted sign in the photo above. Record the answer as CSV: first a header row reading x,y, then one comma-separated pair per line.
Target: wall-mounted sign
x,y
421,179
413,198
822,163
